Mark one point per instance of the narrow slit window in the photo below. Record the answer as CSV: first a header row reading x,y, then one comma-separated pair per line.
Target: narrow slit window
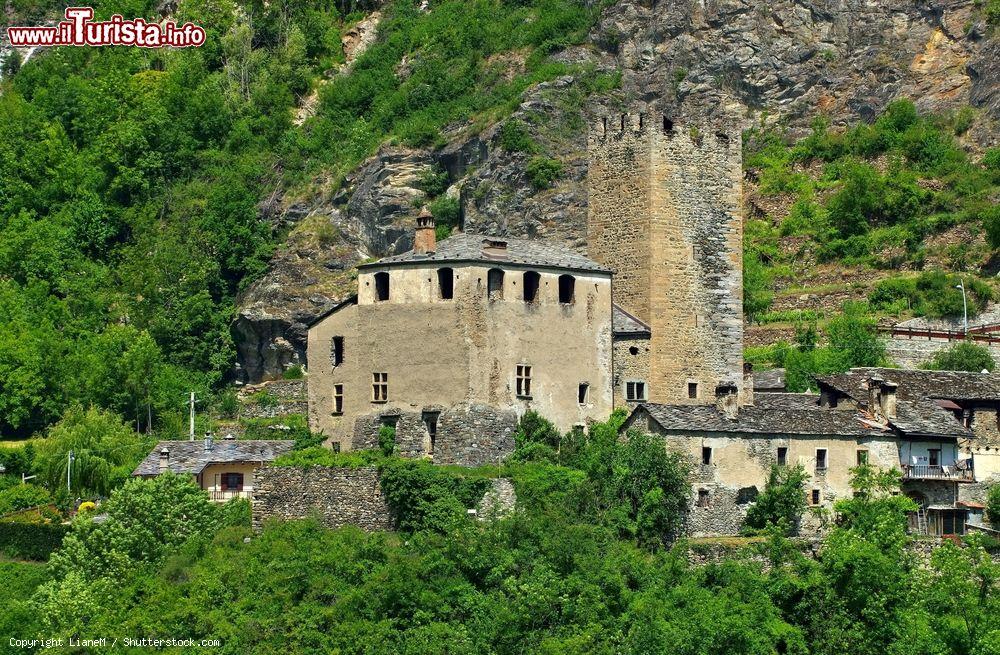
x,y
862,457
782,456
381,286
338,399
431,428
523,381
337,351
567,289
814,497
531,283
380,387
494,284
706,456
583,393
336,446
446,283
692,389
821,459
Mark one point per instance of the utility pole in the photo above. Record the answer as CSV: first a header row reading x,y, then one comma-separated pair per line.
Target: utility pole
x,y
69,470
191,427
965,309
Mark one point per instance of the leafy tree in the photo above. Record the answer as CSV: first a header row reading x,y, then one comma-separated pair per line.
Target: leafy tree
x,y
963,592
757,295
22,496
853,334
993,504
105,452
782,501
964,356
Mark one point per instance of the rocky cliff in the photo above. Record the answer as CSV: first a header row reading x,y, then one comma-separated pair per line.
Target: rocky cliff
x,y
784,62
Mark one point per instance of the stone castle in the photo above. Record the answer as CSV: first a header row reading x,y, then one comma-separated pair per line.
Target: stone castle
x,y
451,342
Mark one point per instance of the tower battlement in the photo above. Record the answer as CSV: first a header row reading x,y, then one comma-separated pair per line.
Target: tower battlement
x,y
665,213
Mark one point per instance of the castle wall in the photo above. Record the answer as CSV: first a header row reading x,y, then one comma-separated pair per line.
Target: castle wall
x,y
631,362
442,354
664,212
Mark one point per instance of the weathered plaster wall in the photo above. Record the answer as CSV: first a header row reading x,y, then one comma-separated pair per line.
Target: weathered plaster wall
x,y
464,351
665,212
337,496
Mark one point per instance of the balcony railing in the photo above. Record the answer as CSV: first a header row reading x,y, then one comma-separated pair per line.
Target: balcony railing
x,y
221,496
927,472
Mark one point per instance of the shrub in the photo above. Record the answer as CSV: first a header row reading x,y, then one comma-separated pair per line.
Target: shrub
x,y
21,497
447,213
320,456
427,497
514,137
387,439
782,502
965,356
543,171
294,372
30,541
993,504
757,295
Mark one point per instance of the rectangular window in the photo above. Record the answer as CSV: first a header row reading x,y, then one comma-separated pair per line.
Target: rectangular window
x,y
431,429
337,351
862,457
232,482
531,281
523,381
821,459
703,498
338,399
934,456
782,455
706,455
336,446
583,393
380,387
635,391
814,497
494,284
692,389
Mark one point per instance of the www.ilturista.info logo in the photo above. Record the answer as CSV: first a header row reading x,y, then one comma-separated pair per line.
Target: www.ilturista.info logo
x,y
79,29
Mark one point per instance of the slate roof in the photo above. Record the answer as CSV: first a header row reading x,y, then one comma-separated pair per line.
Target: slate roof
x,y
919,417
917,384
773,380
781,413
522,252
624,324
191,456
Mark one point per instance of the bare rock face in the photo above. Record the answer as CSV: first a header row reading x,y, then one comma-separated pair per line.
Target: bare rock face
x,y
786,62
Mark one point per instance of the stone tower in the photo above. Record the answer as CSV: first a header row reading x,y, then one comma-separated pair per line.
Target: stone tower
x,y
664,213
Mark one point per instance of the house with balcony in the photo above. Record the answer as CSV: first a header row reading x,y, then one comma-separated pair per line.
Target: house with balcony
x,y
224,469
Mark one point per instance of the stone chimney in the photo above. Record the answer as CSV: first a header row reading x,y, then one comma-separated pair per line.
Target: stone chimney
x,y
882,398
746,392
727,399
423,237
208,442
164,459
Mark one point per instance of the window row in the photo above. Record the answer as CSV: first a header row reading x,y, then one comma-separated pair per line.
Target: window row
x,y
530,284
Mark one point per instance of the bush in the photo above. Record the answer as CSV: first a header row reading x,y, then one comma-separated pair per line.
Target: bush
x,y
932,293
21,497
965,356
423,496
30,541
782,502
543,171
387,439
993,505
293,373
320,456
514,137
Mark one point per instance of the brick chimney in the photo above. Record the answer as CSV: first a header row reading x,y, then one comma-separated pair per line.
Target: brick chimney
x,y
164,460
727,399
423,236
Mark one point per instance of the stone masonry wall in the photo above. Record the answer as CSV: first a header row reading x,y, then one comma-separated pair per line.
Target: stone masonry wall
x,y
674,240
338,496
629,366
911,353
467,434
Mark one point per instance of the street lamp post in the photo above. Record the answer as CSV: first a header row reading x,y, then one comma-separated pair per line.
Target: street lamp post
x,y
965,310
69,469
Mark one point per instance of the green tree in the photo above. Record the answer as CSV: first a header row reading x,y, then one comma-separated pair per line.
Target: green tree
x,y
782,501
964,356
853,334
757,294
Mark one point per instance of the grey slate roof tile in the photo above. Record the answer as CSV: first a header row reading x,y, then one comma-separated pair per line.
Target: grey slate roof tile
x,y
918,384
191,456
523,252
623,323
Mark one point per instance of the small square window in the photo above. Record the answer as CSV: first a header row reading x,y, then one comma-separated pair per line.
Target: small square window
x,y
782,455
635,391
523,381
821,459
380,387
692,389
338,399
706,456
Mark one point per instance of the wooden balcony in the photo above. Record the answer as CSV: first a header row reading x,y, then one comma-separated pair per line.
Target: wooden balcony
x,y
222,496
926,472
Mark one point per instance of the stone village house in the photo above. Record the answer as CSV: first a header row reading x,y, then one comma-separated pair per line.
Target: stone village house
x,y
225,469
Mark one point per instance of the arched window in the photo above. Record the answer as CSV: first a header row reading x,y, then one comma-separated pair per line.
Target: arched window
x,y
531,281
494,284
446,283
567,289
381,286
